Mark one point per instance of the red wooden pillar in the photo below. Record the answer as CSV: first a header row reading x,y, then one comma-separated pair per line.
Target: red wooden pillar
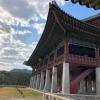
x,y
66,49
97,56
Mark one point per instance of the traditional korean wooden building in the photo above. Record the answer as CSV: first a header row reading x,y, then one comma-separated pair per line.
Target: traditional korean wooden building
x,y
67,56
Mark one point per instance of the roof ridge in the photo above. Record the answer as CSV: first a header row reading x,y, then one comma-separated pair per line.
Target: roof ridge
x,y
91,17
54,4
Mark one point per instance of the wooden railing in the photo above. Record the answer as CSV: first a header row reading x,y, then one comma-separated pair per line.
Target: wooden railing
x,y
50,96
57,61
82,60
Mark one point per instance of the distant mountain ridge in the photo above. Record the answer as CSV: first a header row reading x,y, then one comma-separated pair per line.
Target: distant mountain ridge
x,y
15,77
21,70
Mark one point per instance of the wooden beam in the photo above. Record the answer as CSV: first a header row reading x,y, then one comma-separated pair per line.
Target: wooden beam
x,y
83,2
97,6
94,3
58,21
75,1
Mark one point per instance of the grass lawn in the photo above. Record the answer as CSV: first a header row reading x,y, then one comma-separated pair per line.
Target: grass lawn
x,y
11,92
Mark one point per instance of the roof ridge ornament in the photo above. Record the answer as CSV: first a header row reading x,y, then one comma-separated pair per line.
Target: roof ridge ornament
x,y
53,3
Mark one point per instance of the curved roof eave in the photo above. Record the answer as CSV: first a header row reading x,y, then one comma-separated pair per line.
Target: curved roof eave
x,y
42,39
95,4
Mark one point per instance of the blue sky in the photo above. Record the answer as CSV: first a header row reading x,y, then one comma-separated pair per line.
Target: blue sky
x,y
21,25
78,11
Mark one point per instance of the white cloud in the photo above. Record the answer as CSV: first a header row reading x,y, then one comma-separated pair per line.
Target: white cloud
x,y
41,8
15,13
22,32
4,28
17,52
5,66
17,8
26,9
39,27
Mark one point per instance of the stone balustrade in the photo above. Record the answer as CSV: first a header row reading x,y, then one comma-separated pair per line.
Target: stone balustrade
x,y
49,96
